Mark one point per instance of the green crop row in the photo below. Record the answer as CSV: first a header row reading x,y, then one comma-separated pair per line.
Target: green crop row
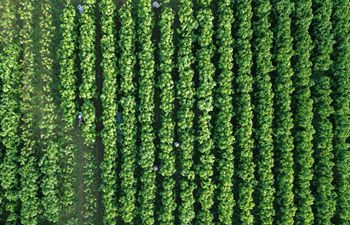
x,y
29,166
185,115
109,105
204,104
245,169
165,84
10,119
67,59
49,162
340,75
263,96
224,137
146,111
126,70
283,122
321,92
303,114
88,92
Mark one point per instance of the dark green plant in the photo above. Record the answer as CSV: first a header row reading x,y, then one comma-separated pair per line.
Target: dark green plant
x,y
303,115
283,122
263,111
321,93
223,102
341,80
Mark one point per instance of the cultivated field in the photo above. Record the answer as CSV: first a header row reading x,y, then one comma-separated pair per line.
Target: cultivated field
x,y
175,112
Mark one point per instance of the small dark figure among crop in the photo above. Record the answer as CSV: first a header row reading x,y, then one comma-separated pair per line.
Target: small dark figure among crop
x,y
155,168
80,9
176,144
80,118
155,5
119,122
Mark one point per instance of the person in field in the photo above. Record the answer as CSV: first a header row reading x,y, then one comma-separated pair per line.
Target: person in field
x,y
80,118
80,9
155,168
119,122
176,144
155,5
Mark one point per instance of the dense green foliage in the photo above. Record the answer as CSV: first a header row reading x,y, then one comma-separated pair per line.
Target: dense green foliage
x,y
29,166
146,112
166,132
185,115
245,169
49,163
223,103
67,57
128,104
321,59
204,94
88,92
283,122
10,119
303,115
341,87
263,112
109,104
193,112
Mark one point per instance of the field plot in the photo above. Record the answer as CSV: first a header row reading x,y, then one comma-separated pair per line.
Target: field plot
x,y
175,112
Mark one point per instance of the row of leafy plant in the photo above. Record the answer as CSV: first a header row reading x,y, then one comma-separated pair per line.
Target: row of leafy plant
x,y
109,115
263,111
29,165
185,96
128,128
146,111
340,71
49,161
321,93
10,118
67,60
283,122
87,93
303,105
204,104
165,84
224,137
244,81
